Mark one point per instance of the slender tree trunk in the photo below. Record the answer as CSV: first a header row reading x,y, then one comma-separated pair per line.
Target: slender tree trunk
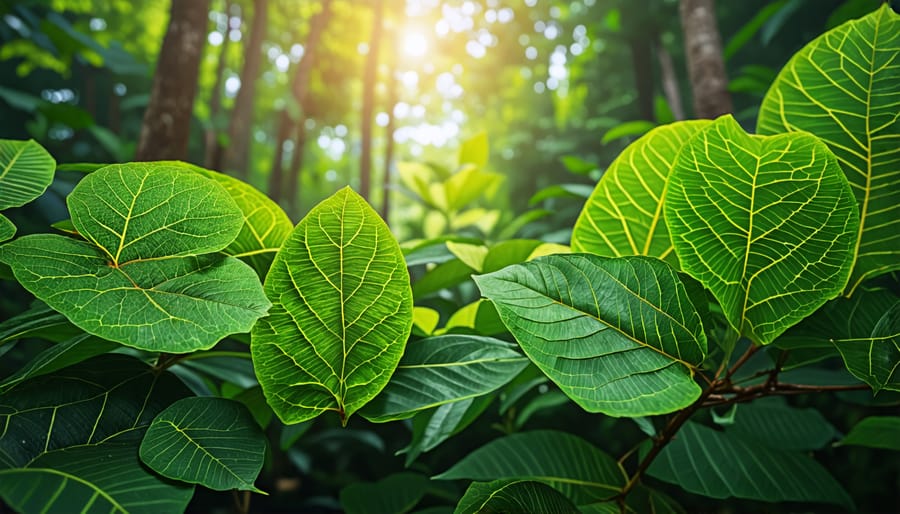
x,y
368,106
641,58
293,182
214,149
237,155
167,120
276,177
706,66
669,80
389,136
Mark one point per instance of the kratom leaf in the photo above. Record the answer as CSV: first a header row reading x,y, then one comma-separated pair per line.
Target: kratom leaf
x,y
640,500
875,432
397,493
618,335
425,319
842,87
432,427
472,255
58,356
767,224
443,276
479,316
174,305
722,465
341,316
566,462
445,369
26,169
7,228
213,442
71,439
773,423
876,359
513,495
39,321
623,216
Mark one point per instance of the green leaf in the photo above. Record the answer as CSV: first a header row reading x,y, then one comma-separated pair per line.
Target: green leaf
x,y
767,224
443,276
395,494
175,305
71,439
623,216
7,228
341,316
773,423
842,87
26,169
150,231
38,321
265,227
514,495
875,432
58,356
472,255
722,465
876,359
618,335
566,462
213,442
445,369
627,129
434,426
474,150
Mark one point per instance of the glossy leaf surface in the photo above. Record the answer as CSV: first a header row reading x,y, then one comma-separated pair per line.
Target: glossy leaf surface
x,y
618,335
76,433
209,441
58,356
444,369
875,432
773,423
26,169
707,462
876,359
842,87
767,224
341,316
568,463
513,496
7,228
624,214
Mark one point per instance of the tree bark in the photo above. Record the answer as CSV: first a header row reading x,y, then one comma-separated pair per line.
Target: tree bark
x,y
368,106
669,80
293,180
706,66
642,66
237,155
166,127
214,148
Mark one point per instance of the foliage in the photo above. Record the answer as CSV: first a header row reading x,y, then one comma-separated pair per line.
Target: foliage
x,y
708,264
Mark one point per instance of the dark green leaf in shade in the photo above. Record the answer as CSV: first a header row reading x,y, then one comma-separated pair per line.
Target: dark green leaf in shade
x,y
623,216
876,359
213,442
38,321
513,496
76,433
723,465
341,316
875,432
434,426
842,87
640,500
394,494
443,276
766,223
568,463
444,369
7,228
773,423
26,169
58,356
618,335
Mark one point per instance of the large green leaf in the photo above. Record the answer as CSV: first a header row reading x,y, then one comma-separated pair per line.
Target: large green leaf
x,y
721,465
7,228
568,463
26,169
618,335
773,423
623,216
875,432
767,224
875,359
842,87
513,495
432,427
146,276
445,369
341,316
70,440
394,494
58,356
38,321
213,442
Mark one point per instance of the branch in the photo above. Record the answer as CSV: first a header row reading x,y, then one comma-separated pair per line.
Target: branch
x,y
746,394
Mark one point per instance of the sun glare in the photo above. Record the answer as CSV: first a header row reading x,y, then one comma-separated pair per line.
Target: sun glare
x,y
415,44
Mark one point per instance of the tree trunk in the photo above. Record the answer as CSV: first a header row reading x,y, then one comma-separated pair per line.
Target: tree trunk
x,y
706,66
642,65
166,127
214,148
389,135
368,106
237,155
276,177
293,182
669,80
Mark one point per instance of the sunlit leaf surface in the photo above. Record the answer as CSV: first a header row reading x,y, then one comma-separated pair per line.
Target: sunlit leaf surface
x,y
341,316
623,216
842,87
767,224
618,335
70,440
26,169
213,442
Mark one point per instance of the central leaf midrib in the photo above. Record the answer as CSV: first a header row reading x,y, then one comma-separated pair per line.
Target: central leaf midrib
x,y
752,212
